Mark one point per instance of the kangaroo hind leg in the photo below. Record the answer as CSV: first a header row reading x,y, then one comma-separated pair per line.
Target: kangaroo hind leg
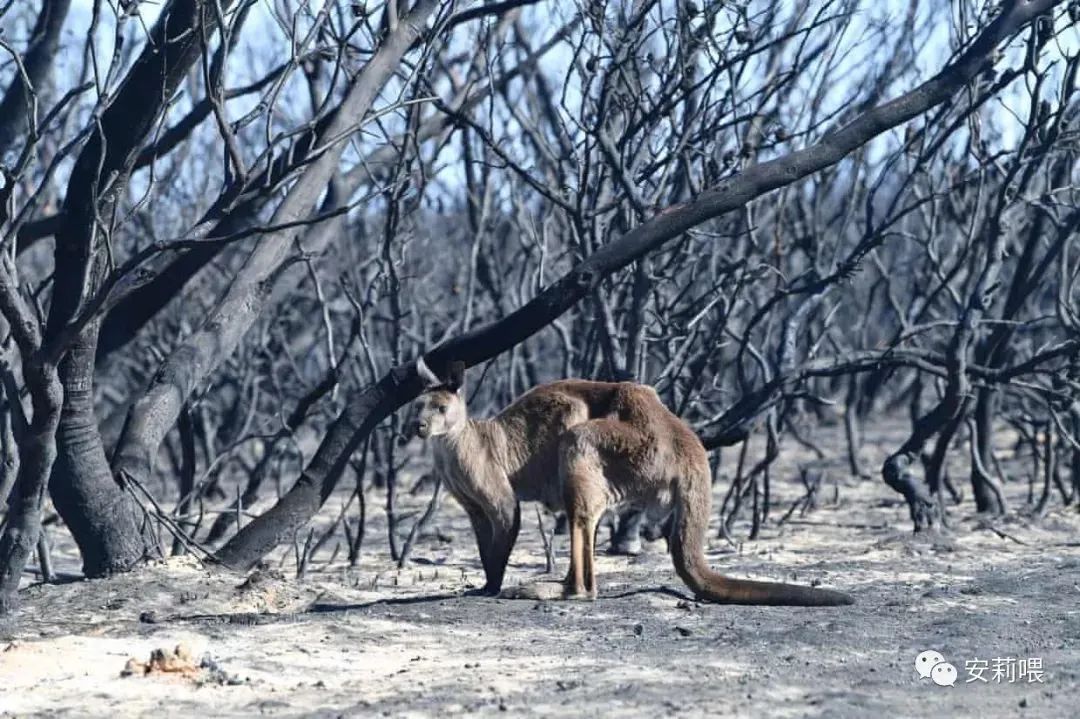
x,y
585,494
585,503
599,460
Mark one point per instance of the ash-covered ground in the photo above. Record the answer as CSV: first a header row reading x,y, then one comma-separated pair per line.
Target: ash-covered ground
x,y
376,640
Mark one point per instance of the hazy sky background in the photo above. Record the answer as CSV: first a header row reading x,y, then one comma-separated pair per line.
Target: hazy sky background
x,y
252,58
261,29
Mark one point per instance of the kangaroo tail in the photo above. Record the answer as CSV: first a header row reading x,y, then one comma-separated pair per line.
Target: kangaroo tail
x,y
693,499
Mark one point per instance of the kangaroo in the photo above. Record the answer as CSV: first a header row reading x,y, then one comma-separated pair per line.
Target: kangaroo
x,y
582,446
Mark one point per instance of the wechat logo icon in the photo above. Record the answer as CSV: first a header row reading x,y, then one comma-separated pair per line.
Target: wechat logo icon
x,y
931,665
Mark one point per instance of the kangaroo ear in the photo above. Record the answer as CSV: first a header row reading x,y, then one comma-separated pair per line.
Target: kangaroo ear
x,y
457,375
429,378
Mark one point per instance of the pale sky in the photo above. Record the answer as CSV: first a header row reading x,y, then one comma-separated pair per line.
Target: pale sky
x,y
261,30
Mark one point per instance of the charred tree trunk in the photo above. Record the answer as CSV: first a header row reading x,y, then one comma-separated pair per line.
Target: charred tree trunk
x,y
186,428
37,453
105,521
983,486
109,528
9,452
37,448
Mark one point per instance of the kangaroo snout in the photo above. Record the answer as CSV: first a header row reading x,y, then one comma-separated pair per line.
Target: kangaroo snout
x,y
412,429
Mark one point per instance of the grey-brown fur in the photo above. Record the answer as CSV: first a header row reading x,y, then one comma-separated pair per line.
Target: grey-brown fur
x,y
582,446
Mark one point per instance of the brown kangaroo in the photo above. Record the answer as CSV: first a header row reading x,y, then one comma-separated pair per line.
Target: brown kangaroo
x,y
582,446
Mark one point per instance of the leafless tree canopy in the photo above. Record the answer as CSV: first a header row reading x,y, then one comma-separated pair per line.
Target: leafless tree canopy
x,y
229,227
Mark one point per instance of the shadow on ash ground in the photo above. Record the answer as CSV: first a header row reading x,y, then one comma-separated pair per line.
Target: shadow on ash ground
x,y
369,641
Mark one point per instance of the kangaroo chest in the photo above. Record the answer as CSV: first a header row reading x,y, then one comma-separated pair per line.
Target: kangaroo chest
x,y
471,474
449,467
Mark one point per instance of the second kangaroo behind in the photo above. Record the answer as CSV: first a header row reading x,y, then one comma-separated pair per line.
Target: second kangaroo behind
x,y
581,446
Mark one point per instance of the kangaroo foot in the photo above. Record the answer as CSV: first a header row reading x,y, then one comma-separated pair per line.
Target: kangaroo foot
x,y
545,591
581,596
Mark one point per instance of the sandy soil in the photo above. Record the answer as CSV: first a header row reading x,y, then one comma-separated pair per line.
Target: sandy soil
x,y
372,640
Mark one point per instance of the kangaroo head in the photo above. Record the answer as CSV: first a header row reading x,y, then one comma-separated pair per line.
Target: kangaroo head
x,y
441,408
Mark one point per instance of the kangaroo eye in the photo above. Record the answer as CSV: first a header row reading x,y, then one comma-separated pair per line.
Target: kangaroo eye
x,y
442,409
